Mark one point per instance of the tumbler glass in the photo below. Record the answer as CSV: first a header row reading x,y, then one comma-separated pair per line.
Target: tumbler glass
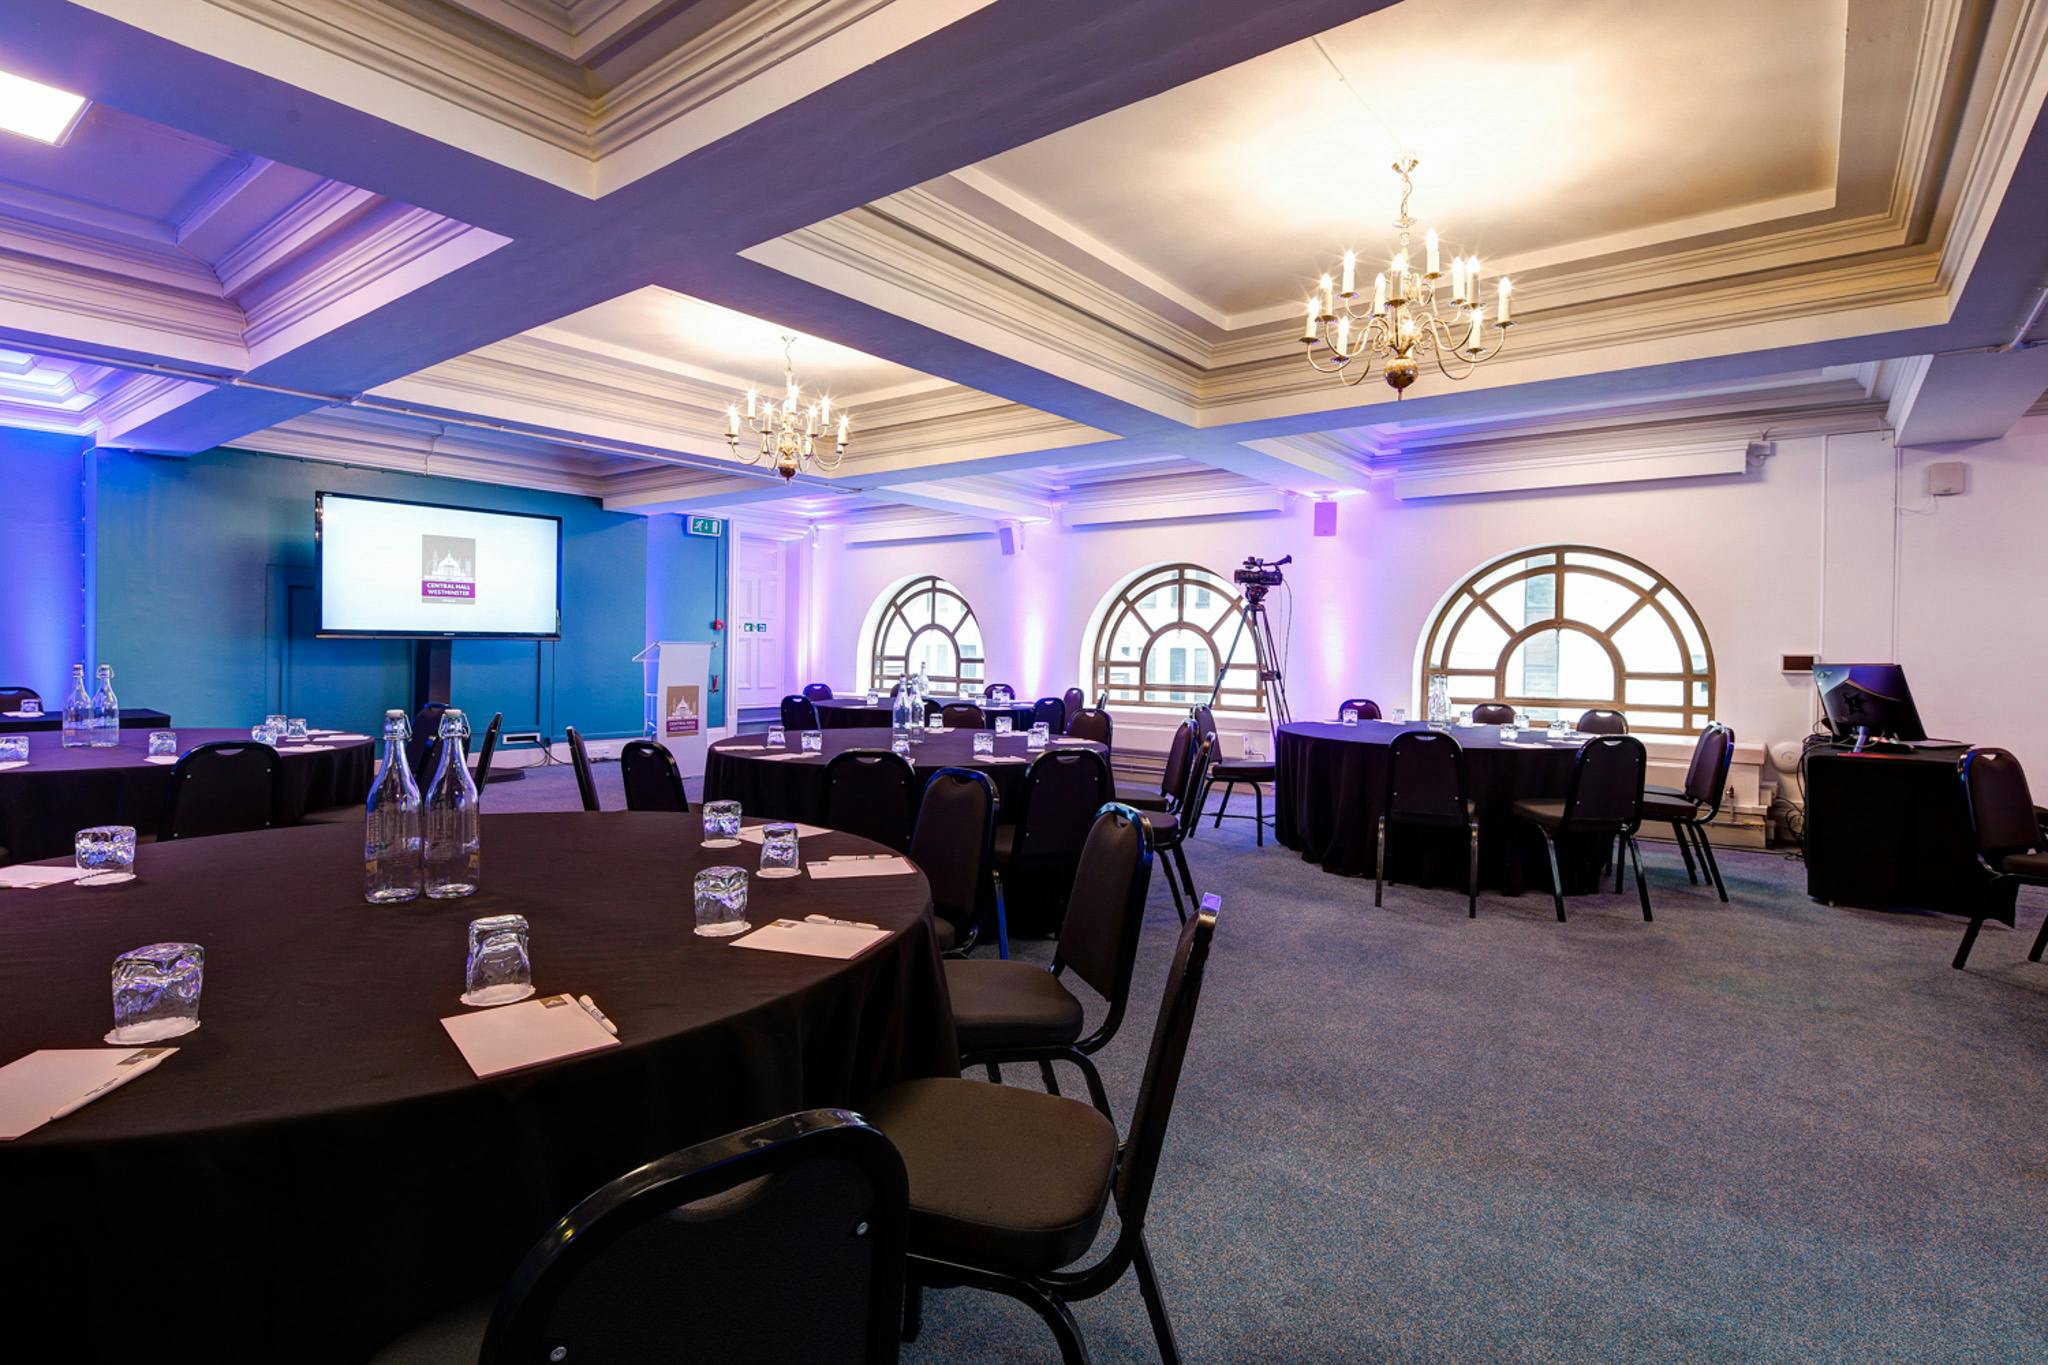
x,y
266,733
984,743
776,739
1039,736
1400,715
900,744
721,824
1559,730
814,741
106,854
295,730
1005,724
156,992
779,856
30,706
721,898
13,750
874,697
163,743
279,719
500,967
1348,716
1508,732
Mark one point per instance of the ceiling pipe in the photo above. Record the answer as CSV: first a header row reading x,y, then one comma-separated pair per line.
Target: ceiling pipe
x,y
2018,341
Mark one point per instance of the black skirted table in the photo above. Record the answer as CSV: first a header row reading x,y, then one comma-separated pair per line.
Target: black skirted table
x,y
1331,780
854,713
317,1166
62,791
1890,831
132,718
743,770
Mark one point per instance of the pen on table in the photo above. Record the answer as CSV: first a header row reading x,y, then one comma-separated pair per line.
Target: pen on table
x,y
590,1008
861,857
849,923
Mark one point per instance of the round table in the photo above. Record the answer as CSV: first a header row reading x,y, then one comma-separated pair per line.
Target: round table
x,y
794,789
1331,779
132,718
317,1166
854,713
62,791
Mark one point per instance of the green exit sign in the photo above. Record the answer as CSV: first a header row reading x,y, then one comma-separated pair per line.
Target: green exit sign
x,y
706,526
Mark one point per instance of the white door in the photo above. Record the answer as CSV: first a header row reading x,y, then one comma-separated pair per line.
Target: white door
x,y
756,637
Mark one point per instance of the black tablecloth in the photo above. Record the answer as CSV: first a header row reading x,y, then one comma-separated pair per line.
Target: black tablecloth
x,y
1889,831
62,791
132,718
317,1166
795,789
854,713
1331,780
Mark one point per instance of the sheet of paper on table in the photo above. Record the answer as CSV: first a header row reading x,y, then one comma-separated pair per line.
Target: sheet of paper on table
x,y
785,757
836,869
1001,758
341,738
754,834
49,1084
27,878
813,940
514,1037
739,748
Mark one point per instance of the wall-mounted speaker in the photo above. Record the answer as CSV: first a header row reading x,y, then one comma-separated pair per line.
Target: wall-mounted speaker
x,y
1326,519
1009,537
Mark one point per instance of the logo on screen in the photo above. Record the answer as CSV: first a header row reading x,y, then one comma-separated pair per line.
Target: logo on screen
x,y
447,569
679,711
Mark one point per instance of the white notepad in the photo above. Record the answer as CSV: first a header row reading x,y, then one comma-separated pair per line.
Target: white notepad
x,y
754,834
1000,758
29,878
813,940
738,748
342,738
835,869
513,1037
49,1084
785,757
11,764
161,760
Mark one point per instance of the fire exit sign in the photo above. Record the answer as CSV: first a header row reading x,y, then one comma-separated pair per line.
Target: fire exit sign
x,y
706,526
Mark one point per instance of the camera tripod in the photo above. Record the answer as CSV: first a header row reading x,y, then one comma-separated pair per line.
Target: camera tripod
x,y
1255,619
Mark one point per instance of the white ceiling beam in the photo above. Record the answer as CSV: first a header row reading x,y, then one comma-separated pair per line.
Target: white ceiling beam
x,y
700,495
970,499
1944,399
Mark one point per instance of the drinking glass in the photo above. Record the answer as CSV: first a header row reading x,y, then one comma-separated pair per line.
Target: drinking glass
x,y
984,742
721,895
1507,732
1400,715
156,992
13,749
1464,718
776,739
30,706
1559,730
278,722
874,697
500,967
1005,724
900,744
779,850
1040,736
1349,715
106,854
163,743
721,824
266,733
295,730
814,741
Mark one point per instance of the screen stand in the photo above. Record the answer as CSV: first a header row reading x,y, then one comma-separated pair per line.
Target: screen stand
x,y
430,661
1862,739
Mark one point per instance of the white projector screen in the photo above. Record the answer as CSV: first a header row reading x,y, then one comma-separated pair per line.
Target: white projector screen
x,y
416,569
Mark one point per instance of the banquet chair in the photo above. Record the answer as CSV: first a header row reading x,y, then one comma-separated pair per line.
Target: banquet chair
x,y
1172,829
1091,722
1061,792
1050,712
953,845
999,690
1367,708
1427,785
1253,772
1172,775
1075,701
1012,1185
11,698
1019,1011
487,751
1691,810
962,715
695,1256
1493,713
872,793
226,787
800,713
2006,829
651,778
1605,797
586,784
818,691
1601,721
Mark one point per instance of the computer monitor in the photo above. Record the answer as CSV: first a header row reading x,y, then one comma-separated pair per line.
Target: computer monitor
x,y
1871,697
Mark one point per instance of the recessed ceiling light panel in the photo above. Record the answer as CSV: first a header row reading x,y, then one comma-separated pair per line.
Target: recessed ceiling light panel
x,y
31,109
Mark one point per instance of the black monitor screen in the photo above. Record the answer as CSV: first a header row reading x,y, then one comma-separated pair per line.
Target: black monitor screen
x,y
1868,696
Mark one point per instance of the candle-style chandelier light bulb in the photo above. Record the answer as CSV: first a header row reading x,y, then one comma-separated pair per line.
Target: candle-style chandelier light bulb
x,y
1404,323
789,431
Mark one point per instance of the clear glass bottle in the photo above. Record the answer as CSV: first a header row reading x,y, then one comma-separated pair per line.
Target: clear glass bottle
x,y
77,712
901,713
451,843
1439,699
106,712
391,823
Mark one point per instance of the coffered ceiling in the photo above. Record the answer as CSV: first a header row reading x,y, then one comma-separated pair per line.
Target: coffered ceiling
x,y
1050,252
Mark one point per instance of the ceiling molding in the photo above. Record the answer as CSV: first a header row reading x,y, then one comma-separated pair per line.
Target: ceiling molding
x,y
291,233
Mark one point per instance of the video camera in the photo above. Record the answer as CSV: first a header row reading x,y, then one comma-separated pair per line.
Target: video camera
x,y
1257,575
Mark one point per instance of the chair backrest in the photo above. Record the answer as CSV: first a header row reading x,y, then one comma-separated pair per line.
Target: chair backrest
x,y
962,715
486,751
872,793
1195,794
651,777
586,784
1173,777
1426,777
994,690
1090,722
1075,700
1367,708
1140,1159
226,787
1205,721
1063,789
11,698
1493,713
1050,712
956,829
1106,910
1606,790
423,749
1601,721
799,713
1706,777
635,1272
818,691
2001,808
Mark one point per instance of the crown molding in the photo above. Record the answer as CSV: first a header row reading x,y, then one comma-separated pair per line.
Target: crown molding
x,y
1176,497
334,439
138,261
291,232
46,297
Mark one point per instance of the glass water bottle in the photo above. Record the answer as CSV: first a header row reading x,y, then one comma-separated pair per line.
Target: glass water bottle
x,y
452,843
106,712
901,713
391,823
77,712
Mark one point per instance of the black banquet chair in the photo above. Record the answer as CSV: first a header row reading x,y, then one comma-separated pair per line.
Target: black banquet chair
x,y
1427,785
872,793
954,846
1010,1186
1493,713
1175,811
1091,722
1601,721
1605,798
1694,806
11,698
1056,806
487,751
1075,701
1367,708
799,713
651,778
586,782
226,787
423,746
693,1257
962,715
818,691
1050,712
2007,831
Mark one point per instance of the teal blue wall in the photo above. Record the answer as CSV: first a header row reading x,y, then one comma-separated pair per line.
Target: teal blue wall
x,y
206,605
43,541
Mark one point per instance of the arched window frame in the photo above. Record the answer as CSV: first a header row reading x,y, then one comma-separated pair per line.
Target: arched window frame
x,y
971,663
1123,680
1698,690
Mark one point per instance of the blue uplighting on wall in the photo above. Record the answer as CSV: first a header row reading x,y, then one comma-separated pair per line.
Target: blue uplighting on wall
x,y
44,545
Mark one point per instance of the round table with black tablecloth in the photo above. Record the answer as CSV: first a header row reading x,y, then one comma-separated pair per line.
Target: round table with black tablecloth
x,y
794,789
1331,780
317,1166
854,713
132,718
62,791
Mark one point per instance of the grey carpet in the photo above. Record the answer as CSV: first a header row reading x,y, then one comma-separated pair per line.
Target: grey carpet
x,y
1769,1130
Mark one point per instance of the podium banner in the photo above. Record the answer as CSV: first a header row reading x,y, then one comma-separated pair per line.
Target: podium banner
x,y
682,698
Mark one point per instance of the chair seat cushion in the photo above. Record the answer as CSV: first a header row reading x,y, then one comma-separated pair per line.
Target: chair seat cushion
x,y
1145,803
1659,789
453,1338
1243,771
1661,809
2030,865
1000,1003
1001,1177
948,936
1546,812
1165,824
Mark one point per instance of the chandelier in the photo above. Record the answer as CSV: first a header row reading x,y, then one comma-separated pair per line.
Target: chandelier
x,y
1405,321
789,431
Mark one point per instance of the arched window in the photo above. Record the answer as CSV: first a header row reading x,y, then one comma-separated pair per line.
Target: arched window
x,y
1556,631
1163,637
926,621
